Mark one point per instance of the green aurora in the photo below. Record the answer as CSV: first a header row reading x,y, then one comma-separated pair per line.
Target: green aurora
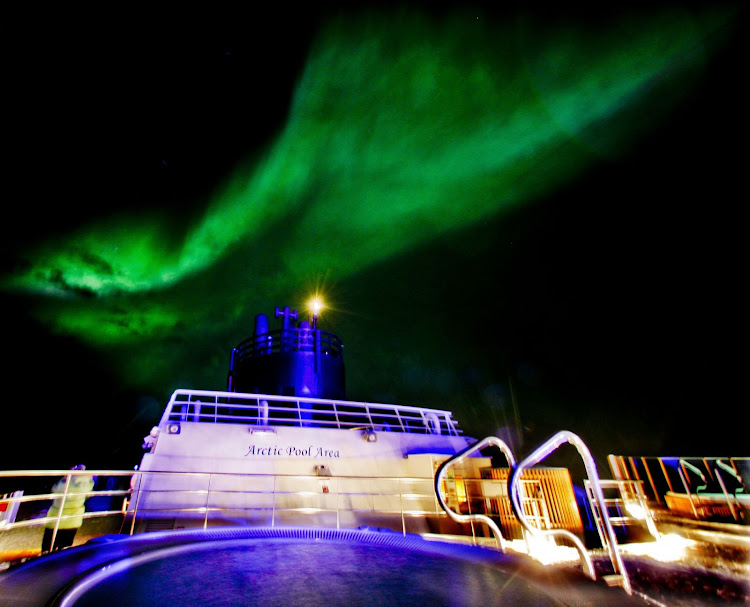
x,y
405,177
400,130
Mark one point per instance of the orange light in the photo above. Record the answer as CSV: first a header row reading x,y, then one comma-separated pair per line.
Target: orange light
x,y
460,490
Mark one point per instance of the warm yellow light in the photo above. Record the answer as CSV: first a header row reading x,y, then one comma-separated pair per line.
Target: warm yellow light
x,y
316,305
547,552
460,490
636,511
667,549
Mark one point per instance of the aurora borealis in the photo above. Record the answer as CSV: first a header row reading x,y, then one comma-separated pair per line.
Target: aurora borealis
x,y
404,161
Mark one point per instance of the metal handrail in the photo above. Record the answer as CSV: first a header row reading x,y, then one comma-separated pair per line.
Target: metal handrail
x,y
686,485
45,497
288,340
202,406
460,456
405,491
630,491
534,458
732,472
625,468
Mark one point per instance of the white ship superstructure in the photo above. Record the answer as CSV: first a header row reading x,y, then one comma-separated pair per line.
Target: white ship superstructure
x,y
268,459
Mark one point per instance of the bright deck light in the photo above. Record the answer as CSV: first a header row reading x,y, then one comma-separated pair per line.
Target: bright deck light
x,y
667,549
316,305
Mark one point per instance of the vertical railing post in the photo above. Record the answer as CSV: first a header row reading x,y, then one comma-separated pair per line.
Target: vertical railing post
x,y
401,503
681,473
273,503
467,483
666,475
208,500
60,511
726,494
400,421
338,518
633,467
650,480
708,468
138,483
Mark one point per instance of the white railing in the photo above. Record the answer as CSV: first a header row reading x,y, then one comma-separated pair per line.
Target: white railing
x,y
470,517
204,406
31,499
191,499
714,488
270,499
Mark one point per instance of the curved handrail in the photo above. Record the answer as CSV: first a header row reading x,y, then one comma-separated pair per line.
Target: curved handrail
x,y
682,467
731,471
686,465
458,457
564,436
722,466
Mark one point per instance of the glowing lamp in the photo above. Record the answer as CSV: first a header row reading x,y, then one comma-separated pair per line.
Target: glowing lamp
x,y
316,305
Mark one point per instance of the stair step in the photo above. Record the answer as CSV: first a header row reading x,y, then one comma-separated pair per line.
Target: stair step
x,y
615,579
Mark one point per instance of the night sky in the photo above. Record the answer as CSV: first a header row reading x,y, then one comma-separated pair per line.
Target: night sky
x,y
531,218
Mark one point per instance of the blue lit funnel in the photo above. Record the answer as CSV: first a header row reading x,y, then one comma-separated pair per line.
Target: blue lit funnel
x,y
295,360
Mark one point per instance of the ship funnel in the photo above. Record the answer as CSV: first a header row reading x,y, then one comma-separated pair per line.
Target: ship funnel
x,y
295,360
261,325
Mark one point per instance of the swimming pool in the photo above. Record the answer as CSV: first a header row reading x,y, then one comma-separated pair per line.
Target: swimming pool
x,y
293,566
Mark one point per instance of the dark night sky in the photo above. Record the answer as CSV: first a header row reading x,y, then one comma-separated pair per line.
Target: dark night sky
x,y
611,301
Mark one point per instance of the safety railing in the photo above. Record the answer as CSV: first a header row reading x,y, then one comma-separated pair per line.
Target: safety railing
x,y
288,340
221,498
440,479
165,500
32,498
8,508
706,488
626,505
203,406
